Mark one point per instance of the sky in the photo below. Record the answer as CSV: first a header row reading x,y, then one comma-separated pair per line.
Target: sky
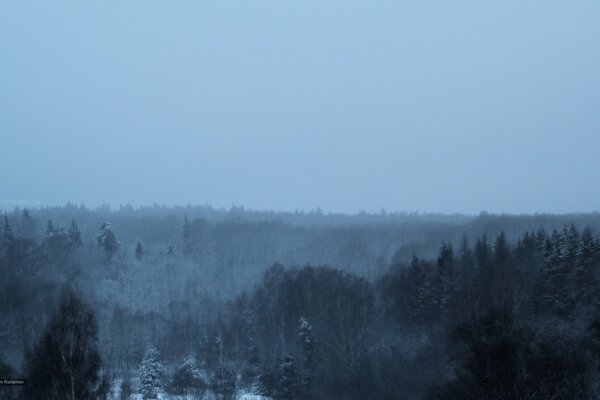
x,y
428,106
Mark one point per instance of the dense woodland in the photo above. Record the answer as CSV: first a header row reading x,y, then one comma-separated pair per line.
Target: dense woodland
x,y
203,303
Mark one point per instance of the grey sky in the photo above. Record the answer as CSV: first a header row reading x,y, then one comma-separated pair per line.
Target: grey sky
x,y
445,106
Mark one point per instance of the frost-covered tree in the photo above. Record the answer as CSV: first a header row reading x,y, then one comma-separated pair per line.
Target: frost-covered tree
x,y
187,378
150,374
107,240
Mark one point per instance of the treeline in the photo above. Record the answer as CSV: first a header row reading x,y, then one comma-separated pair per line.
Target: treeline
x,y
494,317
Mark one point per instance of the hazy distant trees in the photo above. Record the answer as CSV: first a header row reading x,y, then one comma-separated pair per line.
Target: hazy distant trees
x,y
469,299
58,241
65,363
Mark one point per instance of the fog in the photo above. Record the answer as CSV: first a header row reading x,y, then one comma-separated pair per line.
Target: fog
x,y
427,106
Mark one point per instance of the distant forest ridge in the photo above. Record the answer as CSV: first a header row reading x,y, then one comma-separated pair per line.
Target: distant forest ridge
x,y
378,235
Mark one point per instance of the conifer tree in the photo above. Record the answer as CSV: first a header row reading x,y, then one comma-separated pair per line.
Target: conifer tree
x,y
74,235
150,374
139,251
107,240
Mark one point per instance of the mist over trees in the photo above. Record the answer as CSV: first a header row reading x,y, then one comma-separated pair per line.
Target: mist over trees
x,y
206,303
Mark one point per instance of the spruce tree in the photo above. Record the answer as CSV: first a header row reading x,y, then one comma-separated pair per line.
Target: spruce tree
x,y
150,374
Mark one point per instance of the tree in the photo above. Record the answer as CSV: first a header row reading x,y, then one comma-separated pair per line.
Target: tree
x,y
186,235
222,384
74,235
6,233
107,240
150,374
187,378
65,363
139,251
27,225
446,283
171,247
306,342
49,229
288,379
585,279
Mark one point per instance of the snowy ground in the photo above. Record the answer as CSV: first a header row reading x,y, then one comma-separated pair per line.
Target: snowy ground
x,y
207,396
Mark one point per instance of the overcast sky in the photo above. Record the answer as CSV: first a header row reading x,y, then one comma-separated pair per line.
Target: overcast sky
x,y
444,106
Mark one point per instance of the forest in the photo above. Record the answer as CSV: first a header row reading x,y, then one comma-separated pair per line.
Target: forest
x,y
202,303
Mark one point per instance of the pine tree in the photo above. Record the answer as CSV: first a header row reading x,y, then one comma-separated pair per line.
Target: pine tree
x,y
150,374
139,251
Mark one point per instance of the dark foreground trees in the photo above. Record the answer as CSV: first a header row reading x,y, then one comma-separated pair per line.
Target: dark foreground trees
x,y
498,358
65,363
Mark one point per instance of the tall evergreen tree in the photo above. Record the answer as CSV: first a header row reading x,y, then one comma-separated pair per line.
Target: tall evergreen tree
x,y
150,374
